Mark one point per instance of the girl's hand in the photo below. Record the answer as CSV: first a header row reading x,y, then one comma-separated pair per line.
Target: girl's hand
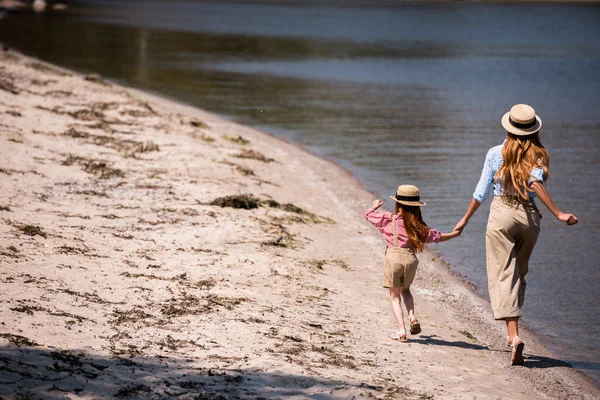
x,y
461,225
569,219
377,203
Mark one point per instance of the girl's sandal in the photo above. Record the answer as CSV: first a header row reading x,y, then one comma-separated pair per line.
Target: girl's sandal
x,y
415,326
399,336
517,351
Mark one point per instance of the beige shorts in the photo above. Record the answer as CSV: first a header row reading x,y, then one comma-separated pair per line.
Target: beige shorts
x,y
400,267
511,235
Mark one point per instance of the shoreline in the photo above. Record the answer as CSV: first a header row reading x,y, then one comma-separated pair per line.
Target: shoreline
x,y
314,344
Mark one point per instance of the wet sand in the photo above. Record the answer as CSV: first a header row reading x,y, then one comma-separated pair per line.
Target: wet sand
x,y
152,250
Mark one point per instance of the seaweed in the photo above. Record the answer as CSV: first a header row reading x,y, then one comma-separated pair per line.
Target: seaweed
x,y
96,78
94,167
74,133
237,139
136,314
246,202
469,335
198,124
174,344
254,155
32,230
12,252
134,390
18,340
102,170
46,68
318,264
8,86
92,193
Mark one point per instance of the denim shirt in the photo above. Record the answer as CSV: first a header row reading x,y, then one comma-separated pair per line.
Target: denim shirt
x,y
493,161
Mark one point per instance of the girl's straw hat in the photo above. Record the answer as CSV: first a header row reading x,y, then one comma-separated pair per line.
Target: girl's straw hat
x,y
521,120
408,195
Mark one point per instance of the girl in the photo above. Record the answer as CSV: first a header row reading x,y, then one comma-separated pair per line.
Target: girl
x,y
518,169
405,233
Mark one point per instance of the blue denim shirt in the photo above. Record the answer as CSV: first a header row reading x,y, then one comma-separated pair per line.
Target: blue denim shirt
x,y
493,161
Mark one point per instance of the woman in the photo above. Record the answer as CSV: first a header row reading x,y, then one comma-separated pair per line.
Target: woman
x,y
517,169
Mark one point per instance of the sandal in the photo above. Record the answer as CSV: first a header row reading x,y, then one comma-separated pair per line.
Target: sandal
x,y
399,336
415,327
517,351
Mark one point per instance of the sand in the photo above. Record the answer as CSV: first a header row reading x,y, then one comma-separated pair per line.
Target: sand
x,y
125,272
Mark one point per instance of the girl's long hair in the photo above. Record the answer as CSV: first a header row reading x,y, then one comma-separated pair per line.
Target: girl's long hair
x,y
416,229
521,154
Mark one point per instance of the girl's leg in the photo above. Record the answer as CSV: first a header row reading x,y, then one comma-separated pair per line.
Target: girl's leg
x,y
409,302
396,308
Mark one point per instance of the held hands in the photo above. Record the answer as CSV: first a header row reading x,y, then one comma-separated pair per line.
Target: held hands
x,y
461,225
377,203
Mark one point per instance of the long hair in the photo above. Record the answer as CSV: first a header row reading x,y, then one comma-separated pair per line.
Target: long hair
x,y
521,154
416,229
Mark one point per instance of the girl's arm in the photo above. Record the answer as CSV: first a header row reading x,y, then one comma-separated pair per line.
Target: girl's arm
x,y
376,218
544,196
473,206
447,236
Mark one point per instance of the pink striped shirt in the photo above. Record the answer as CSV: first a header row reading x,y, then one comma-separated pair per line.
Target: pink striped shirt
x,y
383,222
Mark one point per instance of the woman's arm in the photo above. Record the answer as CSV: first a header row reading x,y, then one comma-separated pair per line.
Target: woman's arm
x,y
483,187
473,206
544,196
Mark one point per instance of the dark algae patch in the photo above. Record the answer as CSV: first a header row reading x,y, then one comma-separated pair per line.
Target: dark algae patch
x,y
32,230
254,155
18,340
249,202
246,202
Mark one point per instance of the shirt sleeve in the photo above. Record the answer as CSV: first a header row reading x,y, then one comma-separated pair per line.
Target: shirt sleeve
x,y
482,190
379,220
433,236
537,175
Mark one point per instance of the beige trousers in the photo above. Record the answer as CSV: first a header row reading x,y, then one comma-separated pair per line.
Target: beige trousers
x,y
400,264
512,232
400,267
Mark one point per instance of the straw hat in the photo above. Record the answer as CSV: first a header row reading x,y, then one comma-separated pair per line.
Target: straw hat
x,y
521,120
408,195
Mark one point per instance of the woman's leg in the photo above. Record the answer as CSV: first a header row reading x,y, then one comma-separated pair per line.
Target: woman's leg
x,y
396,308
409,302
512,328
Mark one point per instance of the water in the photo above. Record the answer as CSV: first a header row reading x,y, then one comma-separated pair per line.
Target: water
x,y
396,93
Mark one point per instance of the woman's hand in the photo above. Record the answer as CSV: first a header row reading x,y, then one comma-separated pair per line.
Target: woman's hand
x,y
377,203
569,219
544,196
473,206
461,225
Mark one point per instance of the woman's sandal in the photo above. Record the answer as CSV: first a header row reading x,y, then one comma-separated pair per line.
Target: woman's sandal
x,y
517,351
415,327
399,336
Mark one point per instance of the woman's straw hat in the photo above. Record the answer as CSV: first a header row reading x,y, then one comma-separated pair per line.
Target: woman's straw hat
x,y
408,195
521,120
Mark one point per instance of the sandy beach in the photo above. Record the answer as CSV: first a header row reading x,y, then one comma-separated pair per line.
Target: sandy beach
x,y
149,249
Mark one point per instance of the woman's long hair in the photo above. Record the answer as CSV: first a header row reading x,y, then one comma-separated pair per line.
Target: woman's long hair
x,y
521,154
416,229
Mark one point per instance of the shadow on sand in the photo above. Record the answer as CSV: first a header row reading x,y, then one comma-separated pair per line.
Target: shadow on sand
x,y
36,372
431,340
